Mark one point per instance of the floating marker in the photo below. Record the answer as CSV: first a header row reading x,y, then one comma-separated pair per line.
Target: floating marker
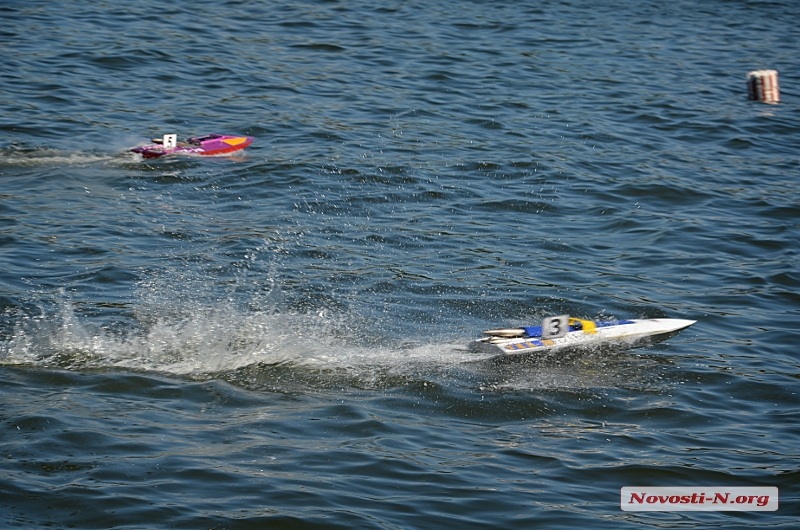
x,y
762,85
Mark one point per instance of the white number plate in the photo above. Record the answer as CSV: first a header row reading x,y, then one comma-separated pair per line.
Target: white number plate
x,y
555,327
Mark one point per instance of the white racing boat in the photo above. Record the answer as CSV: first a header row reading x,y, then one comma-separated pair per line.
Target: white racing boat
x,y
563,332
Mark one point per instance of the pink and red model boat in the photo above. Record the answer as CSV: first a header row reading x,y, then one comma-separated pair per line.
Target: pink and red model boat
x,y
210,144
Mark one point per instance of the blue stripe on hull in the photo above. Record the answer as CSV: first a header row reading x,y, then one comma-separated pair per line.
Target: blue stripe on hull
x,y
536,331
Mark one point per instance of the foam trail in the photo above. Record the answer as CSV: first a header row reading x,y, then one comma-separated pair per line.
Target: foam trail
x,y
43,156
214,340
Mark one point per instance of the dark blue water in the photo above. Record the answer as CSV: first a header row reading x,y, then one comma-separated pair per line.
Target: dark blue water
x,y
277,339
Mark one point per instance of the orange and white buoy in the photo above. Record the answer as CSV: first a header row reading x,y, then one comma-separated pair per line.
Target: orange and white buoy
x,y
762,85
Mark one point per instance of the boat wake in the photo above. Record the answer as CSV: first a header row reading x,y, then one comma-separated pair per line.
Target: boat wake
x,y
208,341
45,156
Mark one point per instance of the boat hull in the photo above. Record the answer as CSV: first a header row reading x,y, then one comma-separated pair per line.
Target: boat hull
x,y
621,335
208,145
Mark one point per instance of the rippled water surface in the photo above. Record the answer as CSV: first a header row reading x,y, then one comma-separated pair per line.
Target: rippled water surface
x,y
278,338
